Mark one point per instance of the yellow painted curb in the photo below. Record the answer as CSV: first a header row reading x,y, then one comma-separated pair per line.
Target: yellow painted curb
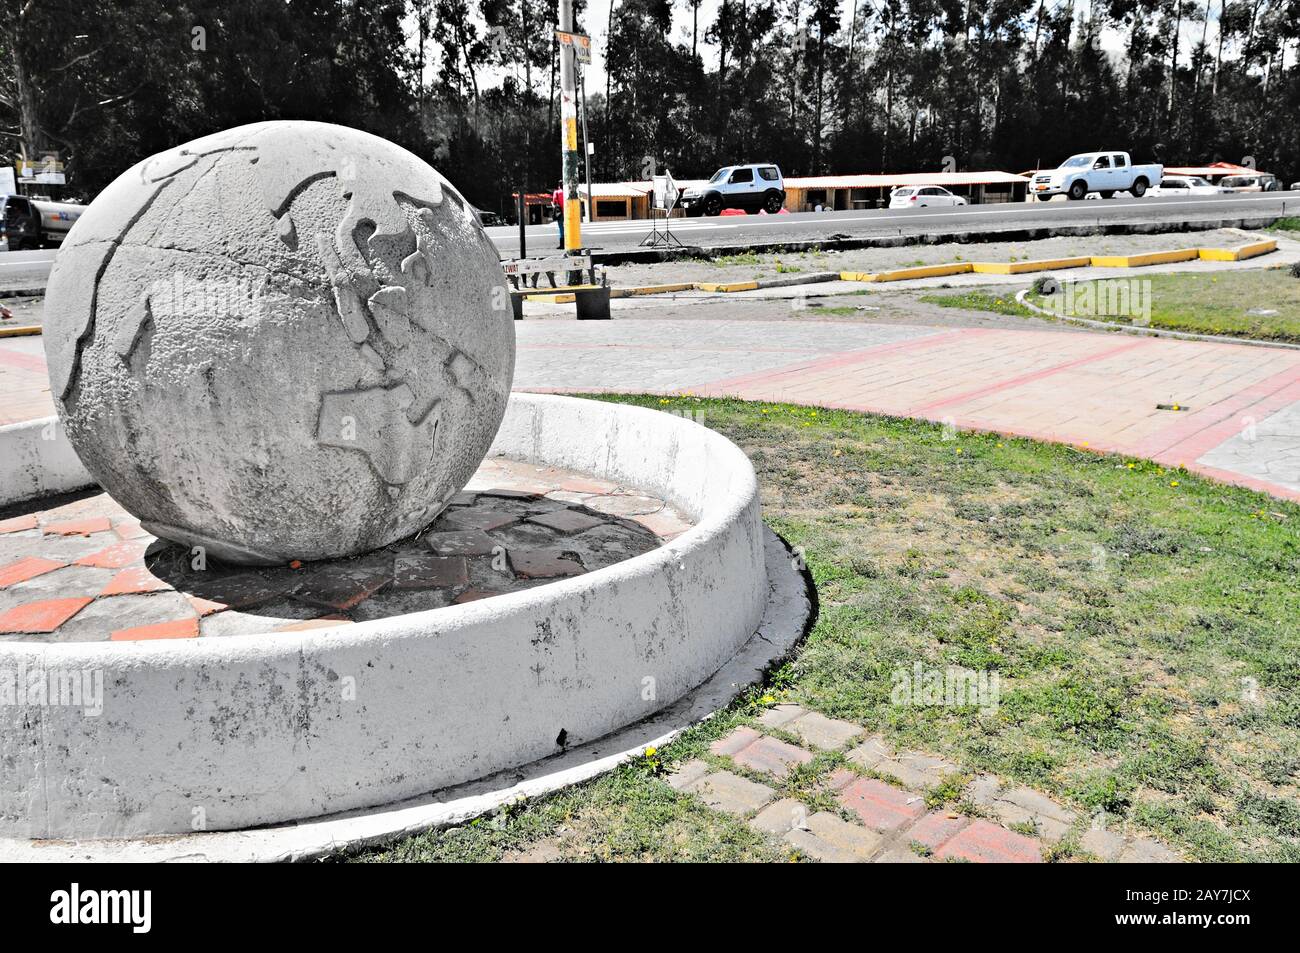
x,y
1150,258
1256,249
856,276
652,290
1021,267
925,271
21,330
552,298
733,286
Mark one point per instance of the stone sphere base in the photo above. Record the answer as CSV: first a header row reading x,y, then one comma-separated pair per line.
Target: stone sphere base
x,y
224,734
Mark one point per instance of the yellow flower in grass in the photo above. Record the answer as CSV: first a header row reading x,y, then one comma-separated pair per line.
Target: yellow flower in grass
x,y
1173,482
651,751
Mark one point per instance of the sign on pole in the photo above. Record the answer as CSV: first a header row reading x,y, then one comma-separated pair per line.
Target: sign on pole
x,y
8,185
581,44
665,191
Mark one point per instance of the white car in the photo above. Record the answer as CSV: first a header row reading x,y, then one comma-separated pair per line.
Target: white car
x,y
751,188
922,196
1185,185
1102,172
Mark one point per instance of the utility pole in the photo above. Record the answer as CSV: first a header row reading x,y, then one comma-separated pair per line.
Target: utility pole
x,y
586,144
572,210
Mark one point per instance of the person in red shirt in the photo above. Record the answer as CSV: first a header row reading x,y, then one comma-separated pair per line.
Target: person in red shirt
x,y
557,203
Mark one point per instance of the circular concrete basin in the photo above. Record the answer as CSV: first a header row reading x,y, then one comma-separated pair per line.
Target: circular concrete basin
x,y
246,730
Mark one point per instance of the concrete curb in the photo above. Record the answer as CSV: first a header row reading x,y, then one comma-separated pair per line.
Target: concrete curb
x,y
790,610
1022,296
37,459
1240,253
647,256
251,730
19,330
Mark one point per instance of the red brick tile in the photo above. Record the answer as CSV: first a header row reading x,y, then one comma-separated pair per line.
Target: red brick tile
x,y
987,843
543,564
936,828
566,521
474,595
84,527
839,778
131,530
881,806
176,629
343,587
772,756
469,542
205,607
27,568
235,592
736,741
579,485
43,617
117,556
474,518
430,572
138,579
19,523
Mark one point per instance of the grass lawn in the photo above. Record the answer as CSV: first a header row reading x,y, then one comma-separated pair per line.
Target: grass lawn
x,y
1145,625
1216,302
1001,302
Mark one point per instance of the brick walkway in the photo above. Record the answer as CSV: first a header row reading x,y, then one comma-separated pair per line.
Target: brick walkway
x,y
880,812
1237,416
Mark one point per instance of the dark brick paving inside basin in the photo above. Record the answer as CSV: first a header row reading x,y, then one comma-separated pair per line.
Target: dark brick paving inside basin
x,y
86,571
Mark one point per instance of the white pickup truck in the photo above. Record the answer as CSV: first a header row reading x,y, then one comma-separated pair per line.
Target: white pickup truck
x,y
1104,172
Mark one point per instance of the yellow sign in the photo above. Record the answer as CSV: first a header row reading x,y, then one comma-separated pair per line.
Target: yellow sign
x,y
580,42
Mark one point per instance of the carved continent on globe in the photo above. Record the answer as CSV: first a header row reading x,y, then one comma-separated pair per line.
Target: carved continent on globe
x,y
289,340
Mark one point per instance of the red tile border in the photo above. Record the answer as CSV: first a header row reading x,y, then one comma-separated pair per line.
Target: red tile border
x,y
82,527
41,617
29,567
17,524
176,629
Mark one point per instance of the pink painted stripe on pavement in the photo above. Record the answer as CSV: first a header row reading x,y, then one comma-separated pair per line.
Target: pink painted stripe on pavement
x,y
1020,379
844,359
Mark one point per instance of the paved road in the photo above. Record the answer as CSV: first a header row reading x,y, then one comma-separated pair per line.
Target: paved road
x,y
21,270
806,226
30,269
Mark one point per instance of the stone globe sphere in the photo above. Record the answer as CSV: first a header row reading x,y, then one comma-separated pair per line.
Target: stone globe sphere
x,y
288,340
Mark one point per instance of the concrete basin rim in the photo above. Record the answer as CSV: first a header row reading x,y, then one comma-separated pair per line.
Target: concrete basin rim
x,y
427,623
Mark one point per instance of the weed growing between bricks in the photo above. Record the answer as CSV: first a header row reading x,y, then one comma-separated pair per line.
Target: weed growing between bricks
x,y
1142,622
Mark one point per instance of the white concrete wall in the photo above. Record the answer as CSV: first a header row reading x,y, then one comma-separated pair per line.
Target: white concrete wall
x,y
37,459
249,730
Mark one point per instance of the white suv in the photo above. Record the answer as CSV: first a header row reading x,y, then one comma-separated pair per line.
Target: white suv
x,y
749,187
923,196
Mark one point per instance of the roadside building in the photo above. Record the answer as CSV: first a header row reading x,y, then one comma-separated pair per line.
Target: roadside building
x,y
1212,173
842,192
616,201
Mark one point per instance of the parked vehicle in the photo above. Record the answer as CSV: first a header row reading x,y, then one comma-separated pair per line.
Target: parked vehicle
x,y
750,188
1103,172
26,223
1251,182
923,196
1185,185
